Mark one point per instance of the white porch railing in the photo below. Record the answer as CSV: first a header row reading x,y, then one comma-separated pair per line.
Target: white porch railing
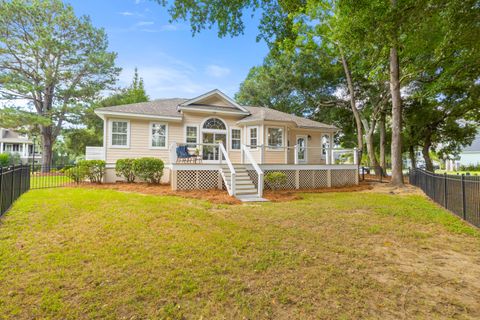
x,y
223,154
246,152
330,155
94,153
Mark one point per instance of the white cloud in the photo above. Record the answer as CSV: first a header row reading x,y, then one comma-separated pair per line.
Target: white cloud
x,y
217,71
144,23
126,13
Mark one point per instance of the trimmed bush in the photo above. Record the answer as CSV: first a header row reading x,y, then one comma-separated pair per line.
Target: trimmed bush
x,y
275,180
94,169
148,169
124,168
77,174
4,160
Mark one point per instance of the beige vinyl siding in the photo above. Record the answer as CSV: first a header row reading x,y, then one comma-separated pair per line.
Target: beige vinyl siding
x,y
140,141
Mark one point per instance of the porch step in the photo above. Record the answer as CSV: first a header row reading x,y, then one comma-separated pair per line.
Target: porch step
x,y
245,190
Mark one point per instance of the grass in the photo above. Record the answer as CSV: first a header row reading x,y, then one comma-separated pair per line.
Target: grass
x,y
73,253
474,173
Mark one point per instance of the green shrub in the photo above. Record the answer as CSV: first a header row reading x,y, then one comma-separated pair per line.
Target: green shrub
x,y
275,180
4,160
15,159
77,174
124,168
94,169
470,167
148,169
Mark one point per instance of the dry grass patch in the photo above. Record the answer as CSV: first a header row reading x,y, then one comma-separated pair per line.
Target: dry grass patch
x,y
91,253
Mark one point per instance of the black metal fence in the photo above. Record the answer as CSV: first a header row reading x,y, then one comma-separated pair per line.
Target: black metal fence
x,y
51,177
14,181
458,193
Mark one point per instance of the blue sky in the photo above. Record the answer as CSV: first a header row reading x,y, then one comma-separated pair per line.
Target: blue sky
x,y
171,61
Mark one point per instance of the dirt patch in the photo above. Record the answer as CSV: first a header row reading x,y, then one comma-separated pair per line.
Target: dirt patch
x,y
290,195
219,196
214,195
378,187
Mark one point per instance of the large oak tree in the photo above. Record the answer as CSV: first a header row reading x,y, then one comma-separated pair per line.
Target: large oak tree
x,y
52,59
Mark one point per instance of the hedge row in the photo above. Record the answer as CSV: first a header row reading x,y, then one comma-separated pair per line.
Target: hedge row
x,y
93,170
147,169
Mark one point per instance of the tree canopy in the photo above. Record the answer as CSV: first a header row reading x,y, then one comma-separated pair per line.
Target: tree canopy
x,y
55,61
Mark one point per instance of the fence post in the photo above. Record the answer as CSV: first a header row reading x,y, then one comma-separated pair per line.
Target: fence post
x,y
464,209
1,190
12,185
445,201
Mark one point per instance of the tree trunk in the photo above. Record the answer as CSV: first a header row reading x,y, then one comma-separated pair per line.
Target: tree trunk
x,y
413,156
353,105
396,154
383,142
369,139
426,153
47,148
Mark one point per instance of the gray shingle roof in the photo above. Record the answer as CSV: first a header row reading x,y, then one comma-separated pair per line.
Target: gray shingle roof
x,y
168,108
268,114
161,107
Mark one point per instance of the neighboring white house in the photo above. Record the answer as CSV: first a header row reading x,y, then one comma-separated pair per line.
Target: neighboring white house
x,y
15,143
468,156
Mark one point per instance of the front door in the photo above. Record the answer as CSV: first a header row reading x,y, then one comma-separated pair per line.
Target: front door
x,y
212,152
302,148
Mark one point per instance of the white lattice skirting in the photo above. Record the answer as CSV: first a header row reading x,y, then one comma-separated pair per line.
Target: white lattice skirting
x,y
296,179
197,180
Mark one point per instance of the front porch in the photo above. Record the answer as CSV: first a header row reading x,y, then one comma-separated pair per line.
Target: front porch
x,y
300,176
245,176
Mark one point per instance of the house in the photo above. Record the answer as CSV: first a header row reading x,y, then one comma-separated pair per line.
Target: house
x,y
469,156
18,144
229,145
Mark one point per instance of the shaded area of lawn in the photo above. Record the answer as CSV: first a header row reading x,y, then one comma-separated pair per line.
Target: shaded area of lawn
x,y
86,253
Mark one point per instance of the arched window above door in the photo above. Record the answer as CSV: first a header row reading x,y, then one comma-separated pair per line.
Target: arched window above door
x,y
214,124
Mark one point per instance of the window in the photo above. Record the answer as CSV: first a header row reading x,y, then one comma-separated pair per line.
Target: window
x,y
120,133
325,144
214,124
158,135
191,136
275,137
236,134
253,137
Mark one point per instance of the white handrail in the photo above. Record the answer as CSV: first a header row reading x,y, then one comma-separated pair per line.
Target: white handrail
x,y
230,166
173,153
257,168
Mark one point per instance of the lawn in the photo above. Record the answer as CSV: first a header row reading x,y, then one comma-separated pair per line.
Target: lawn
x,y
71,253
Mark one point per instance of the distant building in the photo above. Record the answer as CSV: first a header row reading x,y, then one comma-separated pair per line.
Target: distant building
x,y
15,143
468,156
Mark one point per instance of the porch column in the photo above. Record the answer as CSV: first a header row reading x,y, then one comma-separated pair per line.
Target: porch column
x,y
329,178
173,179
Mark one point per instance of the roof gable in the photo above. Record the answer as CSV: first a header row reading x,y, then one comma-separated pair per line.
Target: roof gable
x,y
214,98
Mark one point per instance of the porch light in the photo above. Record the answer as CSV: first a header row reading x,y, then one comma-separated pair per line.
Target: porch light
x,y
309,137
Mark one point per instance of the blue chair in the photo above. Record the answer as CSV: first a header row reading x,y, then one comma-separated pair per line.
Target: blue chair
x,y
183,155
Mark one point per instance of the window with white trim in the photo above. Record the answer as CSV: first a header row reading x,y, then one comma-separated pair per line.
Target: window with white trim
x,y
191,136
253,137
275,137
158,135
236,140
119,133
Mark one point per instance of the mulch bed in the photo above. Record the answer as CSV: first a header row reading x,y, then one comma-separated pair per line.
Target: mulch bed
x,y
218,196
